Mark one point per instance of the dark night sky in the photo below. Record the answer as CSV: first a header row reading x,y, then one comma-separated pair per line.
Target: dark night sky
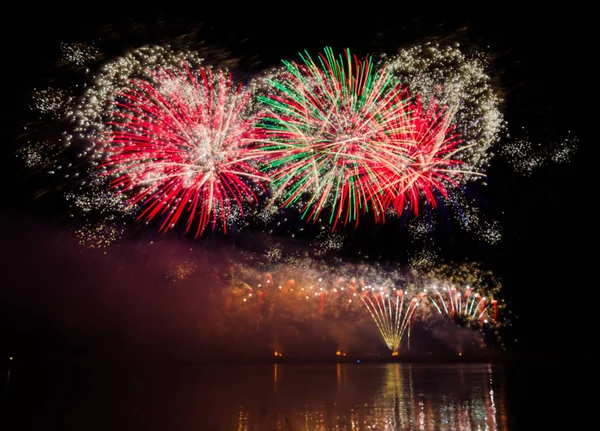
x,y
541,63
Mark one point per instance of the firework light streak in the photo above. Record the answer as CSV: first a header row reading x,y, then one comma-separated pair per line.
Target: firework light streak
x,y
345,135
392,314
465,294
454,303
181,143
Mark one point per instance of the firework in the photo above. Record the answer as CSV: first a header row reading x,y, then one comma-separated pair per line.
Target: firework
x,y
425,257
527,157
465,294
344,135
394,299
98,235
99,202
179,271
465,210
112,150
467,304
420,228
460,82
392,313
491,232
303,289
328,241
113,78
340,137
297,289
72,124
522,156
274,254
51,101
180,142
564,151
39,155
79,53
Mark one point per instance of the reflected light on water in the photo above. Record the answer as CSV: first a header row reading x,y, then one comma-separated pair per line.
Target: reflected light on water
x,y
382,397
285,397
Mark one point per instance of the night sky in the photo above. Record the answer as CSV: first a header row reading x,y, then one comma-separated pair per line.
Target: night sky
x,y
52,294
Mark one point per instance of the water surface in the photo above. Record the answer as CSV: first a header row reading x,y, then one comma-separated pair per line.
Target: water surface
x,y
281,397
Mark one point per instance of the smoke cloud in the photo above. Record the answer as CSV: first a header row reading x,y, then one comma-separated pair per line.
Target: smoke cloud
x,y
166,299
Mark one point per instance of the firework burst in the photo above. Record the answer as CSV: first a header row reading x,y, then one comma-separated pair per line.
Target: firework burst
x,y
180,143
465,305
465,294
343,134
460,82
392,312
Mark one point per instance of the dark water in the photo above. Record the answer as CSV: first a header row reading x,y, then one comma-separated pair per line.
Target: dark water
x,y
290,397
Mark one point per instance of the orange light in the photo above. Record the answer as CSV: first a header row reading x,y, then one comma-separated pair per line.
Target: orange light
x,y
394,353
338,353
459,353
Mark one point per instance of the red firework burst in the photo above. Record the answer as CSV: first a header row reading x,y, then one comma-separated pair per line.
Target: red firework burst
x,y
180,142
426,155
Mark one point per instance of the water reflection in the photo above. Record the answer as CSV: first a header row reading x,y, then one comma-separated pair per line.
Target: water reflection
x,y
282,397
386,397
